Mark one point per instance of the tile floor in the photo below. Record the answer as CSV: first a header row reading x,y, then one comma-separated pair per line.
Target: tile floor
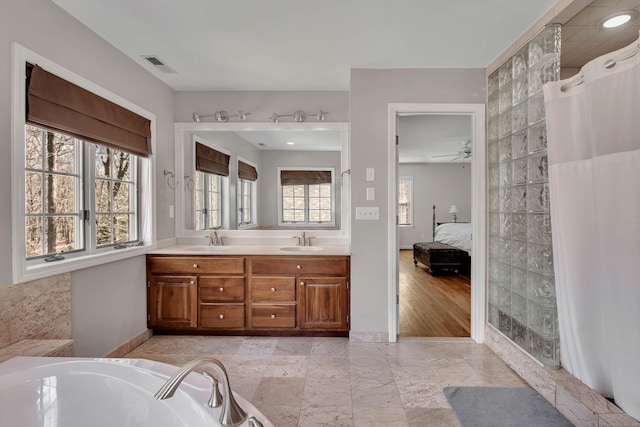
x,y
334,382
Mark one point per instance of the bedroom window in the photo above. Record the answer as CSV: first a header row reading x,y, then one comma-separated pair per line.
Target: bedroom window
x,y
405,201
306,196
83,166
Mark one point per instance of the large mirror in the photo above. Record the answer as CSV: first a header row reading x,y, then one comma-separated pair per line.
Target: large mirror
x,y
259,178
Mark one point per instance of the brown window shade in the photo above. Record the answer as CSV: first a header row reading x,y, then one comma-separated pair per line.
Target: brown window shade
x,y
246,171
211,161
59,105
304,177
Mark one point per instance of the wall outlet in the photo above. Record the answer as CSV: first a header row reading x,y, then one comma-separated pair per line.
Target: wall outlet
x,y
172,212
371,174
368,213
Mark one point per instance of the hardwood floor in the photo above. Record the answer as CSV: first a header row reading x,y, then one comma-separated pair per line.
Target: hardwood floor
x,y
432,306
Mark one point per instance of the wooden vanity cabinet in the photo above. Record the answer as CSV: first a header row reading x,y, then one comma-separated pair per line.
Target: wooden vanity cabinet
x,y
313,290
186,292
259,295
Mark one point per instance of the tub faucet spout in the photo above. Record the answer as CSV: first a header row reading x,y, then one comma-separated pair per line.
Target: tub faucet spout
x,y
232,414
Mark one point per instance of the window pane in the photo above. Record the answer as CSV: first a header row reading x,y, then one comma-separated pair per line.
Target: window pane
x,y
103,162
60,197
104,232
33,192
121,198
325,190
287,191
34,236
122,228
33,147
60,153
60,234
299,216
298,190
103,195
121,165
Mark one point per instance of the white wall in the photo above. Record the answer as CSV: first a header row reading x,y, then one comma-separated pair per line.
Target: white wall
x,y
371,92
44,28
439,184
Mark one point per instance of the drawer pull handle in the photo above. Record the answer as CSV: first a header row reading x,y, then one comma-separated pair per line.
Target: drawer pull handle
x,y
221,289
191,282
298,267
195,265
273,289
221,316
273,316
301,283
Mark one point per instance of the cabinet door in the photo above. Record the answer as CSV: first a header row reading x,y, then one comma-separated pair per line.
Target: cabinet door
x,y
323,302
173,301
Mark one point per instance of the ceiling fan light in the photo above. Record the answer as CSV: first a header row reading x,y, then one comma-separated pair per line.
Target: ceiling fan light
x,y
617,19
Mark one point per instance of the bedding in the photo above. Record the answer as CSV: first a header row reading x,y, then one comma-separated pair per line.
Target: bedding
x,y
456,234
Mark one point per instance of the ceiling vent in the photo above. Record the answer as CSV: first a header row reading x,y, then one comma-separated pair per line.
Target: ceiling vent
x,y
159,64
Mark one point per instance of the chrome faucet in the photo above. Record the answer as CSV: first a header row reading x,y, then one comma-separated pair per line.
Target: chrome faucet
x,y
232,414
214,240
303,240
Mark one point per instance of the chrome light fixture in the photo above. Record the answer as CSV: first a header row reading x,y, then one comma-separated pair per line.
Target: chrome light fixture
x,y
221,116
299,116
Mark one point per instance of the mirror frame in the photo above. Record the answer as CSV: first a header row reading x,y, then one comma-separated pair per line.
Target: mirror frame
x,y
343,175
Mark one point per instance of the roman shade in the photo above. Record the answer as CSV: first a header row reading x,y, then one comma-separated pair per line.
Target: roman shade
x,y
59,105
211,161
304,177
246,171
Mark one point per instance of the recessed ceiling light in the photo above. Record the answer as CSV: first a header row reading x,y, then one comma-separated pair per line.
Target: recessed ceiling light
x,y
291,143
617,19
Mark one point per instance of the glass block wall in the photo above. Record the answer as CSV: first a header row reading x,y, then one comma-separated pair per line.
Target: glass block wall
x,y
522,302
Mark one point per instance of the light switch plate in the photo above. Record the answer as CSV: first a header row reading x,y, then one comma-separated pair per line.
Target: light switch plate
x,y
371,174
371,193
367,213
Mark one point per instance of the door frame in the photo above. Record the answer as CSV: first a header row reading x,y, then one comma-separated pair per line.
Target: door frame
x,y
478,209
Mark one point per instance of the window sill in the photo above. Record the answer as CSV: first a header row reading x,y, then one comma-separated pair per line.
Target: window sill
x,y
40,271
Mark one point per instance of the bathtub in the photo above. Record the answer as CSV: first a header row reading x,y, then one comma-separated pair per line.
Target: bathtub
x,y
79,392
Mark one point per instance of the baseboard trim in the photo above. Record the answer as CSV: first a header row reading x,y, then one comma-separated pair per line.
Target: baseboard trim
x,y
129,345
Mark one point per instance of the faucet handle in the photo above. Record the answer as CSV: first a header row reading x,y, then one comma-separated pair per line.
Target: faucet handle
x,y
253,422
215,400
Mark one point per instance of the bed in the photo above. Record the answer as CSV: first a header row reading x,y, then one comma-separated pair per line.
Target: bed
x,y
450,251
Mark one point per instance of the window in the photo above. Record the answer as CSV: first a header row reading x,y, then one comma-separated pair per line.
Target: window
x,y
405,201
306,196
116,203
208,201
53,196
247,177
245,206
86,166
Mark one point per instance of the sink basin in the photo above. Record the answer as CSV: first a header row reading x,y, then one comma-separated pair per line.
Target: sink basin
x,y
209,248
301,248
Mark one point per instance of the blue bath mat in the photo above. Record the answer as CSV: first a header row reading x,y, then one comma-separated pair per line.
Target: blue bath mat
x,y
503,407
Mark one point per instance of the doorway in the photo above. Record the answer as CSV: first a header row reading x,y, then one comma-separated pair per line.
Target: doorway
x,y
477,213
434,170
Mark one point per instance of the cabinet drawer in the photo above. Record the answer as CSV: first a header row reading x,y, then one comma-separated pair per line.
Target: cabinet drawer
x,y
222,315
273,316
300,265
221,289
196,265
273,289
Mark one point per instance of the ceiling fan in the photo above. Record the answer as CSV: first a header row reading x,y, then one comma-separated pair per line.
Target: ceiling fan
x,y
464,152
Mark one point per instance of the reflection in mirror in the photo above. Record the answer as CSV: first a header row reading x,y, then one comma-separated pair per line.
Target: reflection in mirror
x,y
306,197
233,171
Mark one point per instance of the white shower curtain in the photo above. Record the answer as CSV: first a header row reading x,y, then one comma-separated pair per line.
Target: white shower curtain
x,y
593,131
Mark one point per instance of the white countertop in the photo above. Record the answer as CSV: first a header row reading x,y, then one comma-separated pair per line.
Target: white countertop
x,y
253,250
